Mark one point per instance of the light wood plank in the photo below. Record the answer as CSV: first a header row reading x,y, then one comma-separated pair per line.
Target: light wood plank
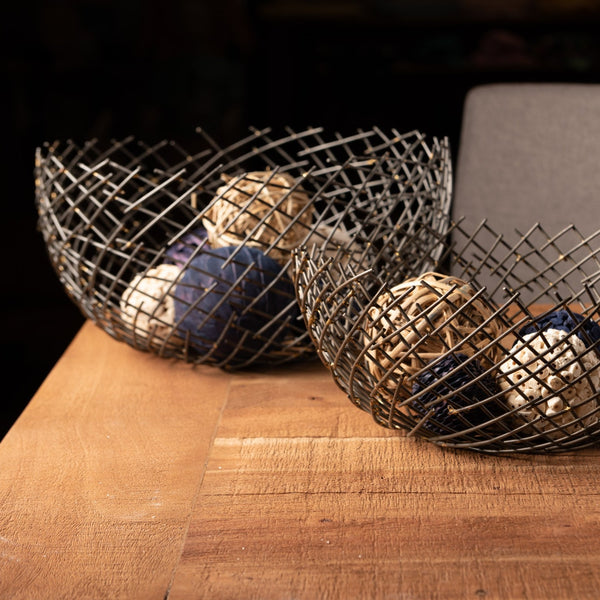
x,y
298,400
337,507
99,474
365,545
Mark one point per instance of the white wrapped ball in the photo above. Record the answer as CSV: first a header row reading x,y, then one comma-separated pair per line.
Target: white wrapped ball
x,y
340,244
553,380
147,305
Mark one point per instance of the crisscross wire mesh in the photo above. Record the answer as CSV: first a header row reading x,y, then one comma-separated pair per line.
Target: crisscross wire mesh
x,y
187,254
470,350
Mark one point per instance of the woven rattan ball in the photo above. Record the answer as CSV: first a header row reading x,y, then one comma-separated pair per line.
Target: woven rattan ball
x,y
261,208
423,318
551,378
147,305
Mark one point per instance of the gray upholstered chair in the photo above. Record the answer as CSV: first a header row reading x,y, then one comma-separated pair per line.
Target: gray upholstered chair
x,y
530,153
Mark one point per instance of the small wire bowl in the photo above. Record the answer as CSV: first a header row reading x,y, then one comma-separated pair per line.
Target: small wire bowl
x,y
493,345
188,254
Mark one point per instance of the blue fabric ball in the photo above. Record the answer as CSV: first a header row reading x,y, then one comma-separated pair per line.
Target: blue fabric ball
x,y
565,321
218,303
180,252
444,420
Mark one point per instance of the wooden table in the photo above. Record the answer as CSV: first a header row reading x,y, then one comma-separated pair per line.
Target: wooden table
x,y
131,476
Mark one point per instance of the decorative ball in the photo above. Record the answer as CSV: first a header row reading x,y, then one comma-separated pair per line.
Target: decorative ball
x,y
234,299
269,208
181,251
564,320
423,318
447,415
551,378
147,305
337,243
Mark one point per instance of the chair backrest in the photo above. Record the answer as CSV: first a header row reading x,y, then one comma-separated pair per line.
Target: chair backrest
x,y
528,153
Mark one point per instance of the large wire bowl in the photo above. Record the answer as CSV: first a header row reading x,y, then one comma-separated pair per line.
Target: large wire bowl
x,y
187,254
492,345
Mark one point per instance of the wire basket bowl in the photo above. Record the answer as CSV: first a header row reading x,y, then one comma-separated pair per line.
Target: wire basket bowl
x,y
188,255
495,348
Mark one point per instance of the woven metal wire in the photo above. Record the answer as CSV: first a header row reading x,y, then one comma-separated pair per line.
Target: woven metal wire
x,y
126,225
445,354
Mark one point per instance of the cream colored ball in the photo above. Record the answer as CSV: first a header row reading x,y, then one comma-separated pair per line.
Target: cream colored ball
x,y
147,305
542,382
335,243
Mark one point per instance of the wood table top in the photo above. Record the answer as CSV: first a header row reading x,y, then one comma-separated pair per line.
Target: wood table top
x,y
132,476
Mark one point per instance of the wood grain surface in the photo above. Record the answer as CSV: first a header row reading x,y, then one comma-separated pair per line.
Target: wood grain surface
x,y
129,476
99,475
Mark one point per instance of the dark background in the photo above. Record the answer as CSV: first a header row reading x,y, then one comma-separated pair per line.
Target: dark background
x,y
107,69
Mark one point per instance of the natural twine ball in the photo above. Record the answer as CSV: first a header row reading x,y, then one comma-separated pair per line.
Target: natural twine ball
x,y
551,378
268,206
423,318
147,305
